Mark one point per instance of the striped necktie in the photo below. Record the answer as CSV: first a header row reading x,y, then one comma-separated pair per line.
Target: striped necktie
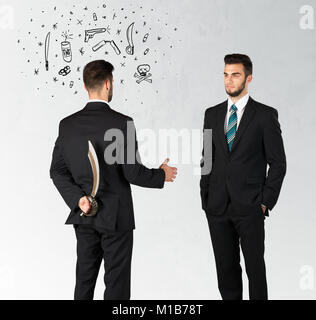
x,y
231,127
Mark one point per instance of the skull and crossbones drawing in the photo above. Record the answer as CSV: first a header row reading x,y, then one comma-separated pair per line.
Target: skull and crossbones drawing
x,y
143,73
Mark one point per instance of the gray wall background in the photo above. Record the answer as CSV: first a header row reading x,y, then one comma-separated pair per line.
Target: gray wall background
x,y
173,257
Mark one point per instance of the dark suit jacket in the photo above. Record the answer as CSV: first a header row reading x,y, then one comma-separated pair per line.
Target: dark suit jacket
x,y
241,174
72,174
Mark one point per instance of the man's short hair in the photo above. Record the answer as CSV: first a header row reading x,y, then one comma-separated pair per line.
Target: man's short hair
x,y
240,58
95,74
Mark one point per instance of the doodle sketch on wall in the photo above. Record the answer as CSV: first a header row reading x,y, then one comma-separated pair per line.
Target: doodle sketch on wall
x,y
88,33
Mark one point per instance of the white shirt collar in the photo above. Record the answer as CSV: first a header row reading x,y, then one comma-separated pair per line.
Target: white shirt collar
x,y
98,100
240,104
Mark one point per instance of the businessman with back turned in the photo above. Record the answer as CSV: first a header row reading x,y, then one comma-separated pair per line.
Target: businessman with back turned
x,y
237,192
108,234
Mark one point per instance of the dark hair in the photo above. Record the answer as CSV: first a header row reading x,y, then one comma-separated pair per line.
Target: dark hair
x,y
240,58
96,72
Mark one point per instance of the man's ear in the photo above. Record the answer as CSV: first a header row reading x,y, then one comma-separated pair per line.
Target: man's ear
x,y
249,78
107,84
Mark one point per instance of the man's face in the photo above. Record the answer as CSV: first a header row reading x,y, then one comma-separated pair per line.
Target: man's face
x,y
235,79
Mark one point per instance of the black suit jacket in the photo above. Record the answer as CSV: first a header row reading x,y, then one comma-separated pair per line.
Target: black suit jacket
x,y
241,174
72,174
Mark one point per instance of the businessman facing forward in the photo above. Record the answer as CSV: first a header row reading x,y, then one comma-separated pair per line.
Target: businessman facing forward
x,y
108,234
238,192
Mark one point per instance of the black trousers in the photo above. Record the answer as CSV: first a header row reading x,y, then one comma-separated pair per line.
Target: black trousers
x,y
94,245
229,232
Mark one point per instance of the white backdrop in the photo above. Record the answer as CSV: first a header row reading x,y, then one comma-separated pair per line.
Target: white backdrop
x,y
172,257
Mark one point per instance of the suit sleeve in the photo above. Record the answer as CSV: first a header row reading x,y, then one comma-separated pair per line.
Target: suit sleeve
x,y
275,155
206,163
62,178
133,169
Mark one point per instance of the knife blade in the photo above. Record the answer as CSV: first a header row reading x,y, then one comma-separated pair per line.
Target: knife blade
x,y
95,168
46,50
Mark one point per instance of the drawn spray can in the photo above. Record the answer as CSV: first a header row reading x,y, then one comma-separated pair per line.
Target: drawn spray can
x,y
66,51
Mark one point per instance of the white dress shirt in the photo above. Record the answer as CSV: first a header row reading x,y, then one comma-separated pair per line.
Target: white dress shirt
x,y
240,105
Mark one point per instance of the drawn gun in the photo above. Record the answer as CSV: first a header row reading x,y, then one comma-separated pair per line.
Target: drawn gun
x,y
89,34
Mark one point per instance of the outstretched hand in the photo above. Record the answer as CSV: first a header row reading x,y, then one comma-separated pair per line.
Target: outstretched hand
x,y
170,172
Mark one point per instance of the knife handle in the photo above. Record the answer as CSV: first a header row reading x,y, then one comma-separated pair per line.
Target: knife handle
x,y
46,65
130,50
93,209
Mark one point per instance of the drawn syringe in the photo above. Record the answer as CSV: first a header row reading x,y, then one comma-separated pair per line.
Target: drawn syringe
x,y
103,42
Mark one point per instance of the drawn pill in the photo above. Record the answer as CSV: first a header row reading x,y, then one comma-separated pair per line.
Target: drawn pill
x,y
64,71
95,16
146,51
71,84
145,37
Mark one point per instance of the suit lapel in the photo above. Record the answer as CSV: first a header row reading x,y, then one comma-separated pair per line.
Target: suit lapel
x,y
221,114
249,112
